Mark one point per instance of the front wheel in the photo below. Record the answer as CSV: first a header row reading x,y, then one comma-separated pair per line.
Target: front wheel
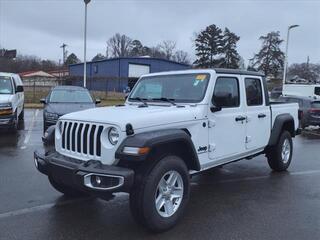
x,y
160,194
280,155
21,116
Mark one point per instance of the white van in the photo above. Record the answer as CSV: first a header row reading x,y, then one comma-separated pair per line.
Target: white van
x,y
303,90
11,100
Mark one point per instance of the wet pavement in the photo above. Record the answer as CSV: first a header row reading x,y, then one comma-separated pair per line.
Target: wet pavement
x,y
243,200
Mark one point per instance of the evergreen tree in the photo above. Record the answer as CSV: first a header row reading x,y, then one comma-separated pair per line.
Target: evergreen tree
x,y
270,58
231,56
72,59
209,47
137,48
98,57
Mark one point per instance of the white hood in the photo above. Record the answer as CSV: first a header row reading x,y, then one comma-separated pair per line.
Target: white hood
x,y
139,117
5,98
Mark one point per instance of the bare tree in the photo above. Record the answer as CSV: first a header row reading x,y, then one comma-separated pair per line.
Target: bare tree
x,y
120,45
181,57
168,47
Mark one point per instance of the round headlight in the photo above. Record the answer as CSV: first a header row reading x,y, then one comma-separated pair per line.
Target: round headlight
x,y
113,136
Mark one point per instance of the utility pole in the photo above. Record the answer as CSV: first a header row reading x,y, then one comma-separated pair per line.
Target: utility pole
x,y
64,53
86,2
286,54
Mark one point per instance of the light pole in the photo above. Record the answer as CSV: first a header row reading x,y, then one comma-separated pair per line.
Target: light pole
x,y
85,45
286,54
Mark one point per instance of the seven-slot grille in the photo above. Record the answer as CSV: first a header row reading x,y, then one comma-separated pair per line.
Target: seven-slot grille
x,y
81,138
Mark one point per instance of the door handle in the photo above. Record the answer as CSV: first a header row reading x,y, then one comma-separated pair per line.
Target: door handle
x,y
262,115
240,118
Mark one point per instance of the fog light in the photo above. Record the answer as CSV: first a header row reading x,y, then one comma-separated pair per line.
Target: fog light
x,y
98,180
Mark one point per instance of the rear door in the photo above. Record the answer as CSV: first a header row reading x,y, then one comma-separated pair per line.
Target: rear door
x,y
258,114
227,127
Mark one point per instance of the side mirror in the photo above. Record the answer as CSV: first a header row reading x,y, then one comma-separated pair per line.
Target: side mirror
x,y
19,89
43,100
126,96
98,101
215,108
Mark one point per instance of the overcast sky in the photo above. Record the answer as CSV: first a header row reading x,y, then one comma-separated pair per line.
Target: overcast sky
x,y
39,27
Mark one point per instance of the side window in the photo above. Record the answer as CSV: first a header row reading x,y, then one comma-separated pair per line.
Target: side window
x,y
226,92
317,91
253,91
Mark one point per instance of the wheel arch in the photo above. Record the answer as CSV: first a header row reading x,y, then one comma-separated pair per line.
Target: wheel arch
x,y
282,122
161,142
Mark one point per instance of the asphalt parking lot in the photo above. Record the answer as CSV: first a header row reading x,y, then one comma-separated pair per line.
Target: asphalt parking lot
x,y
243,200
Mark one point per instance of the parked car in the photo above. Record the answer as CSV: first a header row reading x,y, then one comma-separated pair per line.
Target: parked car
x,y
276,92
65,99
173,125
11,100
309,108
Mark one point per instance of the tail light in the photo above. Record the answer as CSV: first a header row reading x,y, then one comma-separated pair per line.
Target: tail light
x,y
314,110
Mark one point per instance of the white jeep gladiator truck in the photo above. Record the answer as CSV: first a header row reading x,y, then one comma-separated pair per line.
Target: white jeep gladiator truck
x,y
172,125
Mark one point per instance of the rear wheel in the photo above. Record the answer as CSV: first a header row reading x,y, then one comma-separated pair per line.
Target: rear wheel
x,y
280,155
160,194
66,190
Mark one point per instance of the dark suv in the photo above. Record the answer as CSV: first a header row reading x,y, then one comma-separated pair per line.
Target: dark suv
x,y
309,109
65,99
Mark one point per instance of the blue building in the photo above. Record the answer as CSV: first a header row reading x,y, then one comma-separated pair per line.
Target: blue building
x,y
116,74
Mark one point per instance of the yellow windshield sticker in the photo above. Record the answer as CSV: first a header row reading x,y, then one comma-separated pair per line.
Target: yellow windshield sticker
x,y
201,77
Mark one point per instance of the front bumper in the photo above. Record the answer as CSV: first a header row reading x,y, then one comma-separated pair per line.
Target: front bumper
x,y
7,120
84,175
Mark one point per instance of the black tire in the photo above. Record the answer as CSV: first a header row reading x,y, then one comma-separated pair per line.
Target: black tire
x,y
14,127
45,127
145,190
277,159
66,190
21,116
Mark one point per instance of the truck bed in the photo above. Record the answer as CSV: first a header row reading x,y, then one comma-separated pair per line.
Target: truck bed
x,y
278,108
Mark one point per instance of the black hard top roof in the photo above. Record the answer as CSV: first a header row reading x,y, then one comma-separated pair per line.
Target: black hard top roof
x,y
238,71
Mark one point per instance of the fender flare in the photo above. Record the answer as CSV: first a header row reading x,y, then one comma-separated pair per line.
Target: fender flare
x,y
160,138
49,136
277,128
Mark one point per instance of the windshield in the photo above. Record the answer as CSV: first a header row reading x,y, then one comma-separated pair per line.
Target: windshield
x,y
70,96
6,85
315,104
188,88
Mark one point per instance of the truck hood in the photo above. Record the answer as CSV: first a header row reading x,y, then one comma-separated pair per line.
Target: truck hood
x,y
5,98
139,117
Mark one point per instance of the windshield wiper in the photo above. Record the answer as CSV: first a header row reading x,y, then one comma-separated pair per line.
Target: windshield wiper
x,y
169,100
143,100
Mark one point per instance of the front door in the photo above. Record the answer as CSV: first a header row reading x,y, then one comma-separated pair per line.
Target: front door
x,y
227,126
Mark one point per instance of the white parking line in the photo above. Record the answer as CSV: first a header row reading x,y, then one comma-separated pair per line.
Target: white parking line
x,y
27,139
310,172
39,208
